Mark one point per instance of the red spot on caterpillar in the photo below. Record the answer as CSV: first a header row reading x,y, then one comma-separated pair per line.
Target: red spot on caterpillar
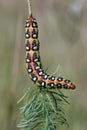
x,y
72,86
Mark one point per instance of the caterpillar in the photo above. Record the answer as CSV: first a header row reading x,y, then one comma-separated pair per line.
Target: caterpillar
x,y
33,61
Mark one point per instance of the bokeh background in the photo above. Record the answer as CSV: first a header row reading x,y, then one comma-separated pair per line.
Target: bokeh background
x,y
63,38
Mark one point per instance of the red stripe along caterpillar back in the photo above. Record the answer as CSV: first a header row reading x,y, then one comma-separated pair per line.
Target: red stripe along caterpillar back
x,y
33,62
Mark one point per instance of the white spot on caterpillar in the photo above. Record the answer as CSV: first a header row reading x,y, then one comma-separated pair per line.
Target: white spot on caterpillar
x,y
27,24
27,35
34,25
40,73
37,67
53,78
35,47
43,84
27,60
29,70
45,76
34,35
52,85
27,48
35,60
34,78
60,78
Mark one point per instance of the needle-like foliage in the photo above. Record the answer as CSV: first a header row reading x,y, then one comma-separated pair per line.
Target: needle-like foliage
x,y
43,109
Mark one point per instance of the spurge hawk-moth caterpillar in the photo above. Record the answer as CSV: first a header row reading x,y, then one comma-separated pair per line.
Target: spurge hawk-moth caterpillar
x,y
33,62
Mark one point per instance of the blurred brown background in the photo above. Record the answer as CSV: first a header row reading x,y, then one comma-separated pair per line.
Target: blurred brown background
x,y
63,38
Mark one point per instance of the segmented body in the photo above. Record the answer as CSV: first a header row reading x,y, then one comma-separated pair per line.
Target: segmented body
x,y
33,62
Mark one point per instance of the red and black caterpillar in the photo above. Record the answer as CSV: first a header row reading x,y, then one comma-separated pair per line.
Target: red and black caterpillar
x,y
33,62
